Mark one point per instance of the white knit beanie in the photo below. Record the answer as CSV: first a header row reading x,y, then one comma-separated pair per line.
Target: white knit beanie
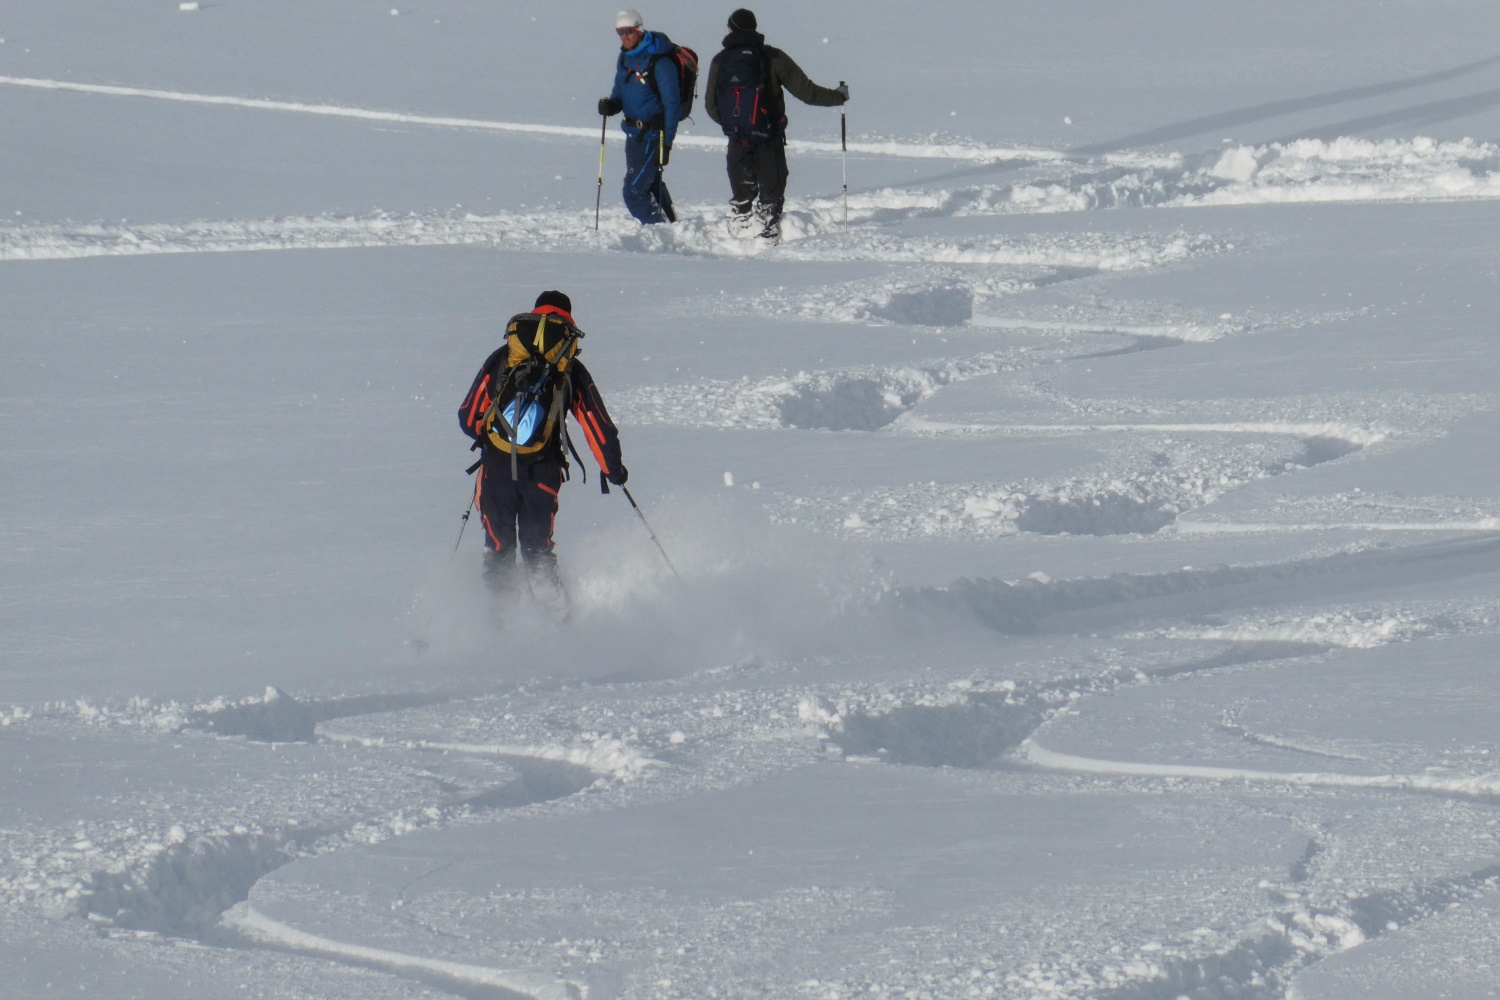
x,y
628,18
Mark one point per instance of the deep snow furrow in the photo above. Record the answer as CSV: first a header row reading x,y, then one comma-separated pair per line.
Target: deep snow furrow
x,y
841,399
1022,607
1154,468
976,728
1263,963
864,398
607,758
1144,485
277,717
1326,441
184,888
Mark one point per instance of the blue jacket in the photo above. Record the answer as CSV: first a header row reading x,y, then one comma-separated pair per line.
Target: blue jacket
x,y
634,93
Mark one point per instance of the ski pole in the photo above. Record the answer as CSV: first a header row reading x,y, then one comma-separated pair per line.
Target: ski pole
x,y
844,143
599,197
464,523
651,533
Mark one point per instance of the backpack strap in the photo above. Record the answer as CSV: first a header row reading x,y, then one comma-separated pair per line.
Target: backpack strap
x,y
658,122
573,449
651,78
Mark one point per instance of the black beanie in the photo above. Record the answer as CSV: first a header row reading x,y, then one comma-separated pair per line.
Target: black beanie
x,y
742,20
554,298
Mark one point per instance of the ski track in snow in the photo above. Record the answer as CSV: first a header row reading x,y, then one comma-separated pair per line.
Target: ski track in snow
x,y
710,721
1168,466
1485,787
263,930
907,150
699,232
813,229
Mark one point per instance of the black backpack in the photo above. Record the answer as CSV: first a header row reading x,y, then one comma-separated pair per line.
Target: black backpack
x,y
742,99
530,407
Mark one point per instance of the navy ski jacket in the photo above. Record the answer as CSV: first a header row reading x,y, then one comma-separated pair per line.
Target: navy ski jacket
x,y
633,93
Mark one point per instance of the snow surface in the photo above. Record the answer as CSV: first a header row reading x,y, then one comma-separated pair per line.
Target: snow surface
x,y
1090,549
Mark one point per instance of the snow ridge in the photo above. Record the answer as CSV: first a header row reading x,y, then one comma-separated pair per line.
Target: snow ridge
x,y
925,151
1483,787
262,929
608,758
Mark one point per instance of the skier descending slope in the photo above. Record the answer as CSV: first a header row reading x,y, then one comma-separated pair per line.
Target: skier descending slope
x,y
516,412
648,89
744,95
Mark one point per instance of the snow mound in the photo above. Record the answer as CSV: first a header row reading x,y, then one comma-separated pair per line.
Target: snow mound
x,y
1300,171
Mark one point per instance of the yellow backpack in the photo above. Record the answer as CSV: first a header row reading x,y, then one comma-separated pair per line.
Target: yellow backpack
x,y
531,402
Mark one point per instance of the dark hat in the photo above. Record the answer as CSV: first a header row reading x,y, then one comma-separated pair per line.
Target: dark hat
x,y
554,298
742,20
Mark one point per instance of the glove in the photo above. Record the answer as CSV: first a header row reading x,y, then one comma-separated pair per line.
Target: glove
x,y
608,107
843,91
666,155
618,477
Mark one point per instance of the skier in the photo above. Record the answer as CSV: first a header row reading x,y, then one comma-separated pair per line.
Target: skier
x,y
516,411
744,95
651,101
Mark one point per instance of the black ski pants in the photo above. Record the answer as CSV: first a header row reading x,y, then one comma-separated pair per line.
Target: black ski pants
x,y
758,169
513,511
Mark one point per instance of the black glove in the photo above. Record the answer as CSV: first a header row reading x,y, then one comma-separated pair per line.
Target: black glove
x,y
666,155
608,107
843,91
618,476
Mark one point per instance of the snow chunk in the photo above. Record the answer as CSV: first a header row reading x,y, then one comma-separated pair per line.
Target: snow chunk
x,y
1238,164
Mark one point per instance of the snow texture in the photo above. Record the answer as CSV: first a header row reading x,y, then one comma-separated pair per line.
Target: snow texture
x,y
1089,550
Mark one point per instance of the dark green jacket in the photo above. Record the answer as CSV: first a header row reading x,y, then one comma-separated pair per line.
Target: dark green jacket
x,y
784,74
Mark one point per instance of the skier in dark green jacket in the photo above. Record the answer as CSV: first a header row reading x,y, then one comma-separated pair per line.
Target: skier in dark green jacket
x,y
745,97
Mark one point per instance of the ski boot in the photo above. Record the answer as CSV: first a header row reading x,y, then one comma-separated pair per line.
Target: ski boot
x,y
770,225
741,221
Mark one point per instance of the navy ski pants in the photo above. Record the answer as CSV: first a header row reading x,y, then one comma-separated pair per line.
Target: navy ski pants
x,y
646,192
516,511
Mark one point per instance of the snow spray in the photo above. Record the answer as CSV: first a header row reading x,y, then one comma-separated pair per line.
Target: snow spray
x,y
647,526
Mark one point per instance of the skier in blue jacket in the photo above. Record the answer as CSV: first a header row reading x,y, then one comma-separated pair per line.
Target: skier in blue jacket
x,y
647,91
